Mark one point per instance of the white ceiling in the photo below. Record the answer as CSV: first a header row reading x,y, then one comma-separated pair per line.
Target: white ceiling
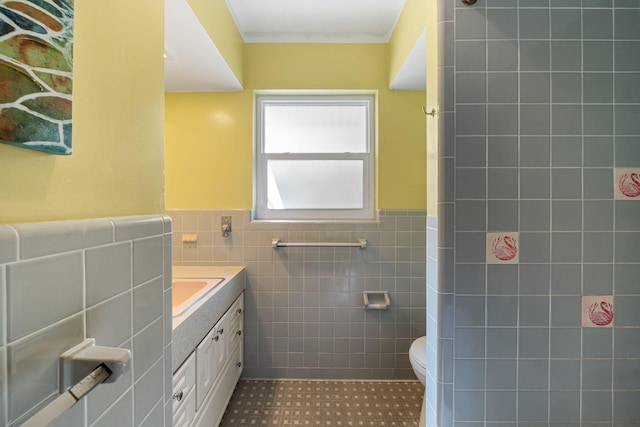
x,y
316,21
412,74
194,64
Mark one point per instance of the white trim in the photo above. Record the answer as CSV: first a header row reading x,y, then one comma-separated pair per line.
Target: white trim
x,y
261,212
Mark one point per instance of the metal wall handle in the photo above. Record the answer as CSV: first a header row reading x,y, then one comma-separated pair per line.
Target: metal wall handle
x,y
277,243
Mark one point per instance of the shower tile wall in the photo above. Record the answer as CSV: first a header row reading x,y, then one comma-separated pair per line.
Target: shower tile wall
x,y
62,282
433,321
304,311
541,104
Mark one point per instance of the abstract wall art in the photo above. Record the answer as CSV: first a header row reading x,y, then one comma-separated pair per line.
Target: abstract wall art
x,y
36,64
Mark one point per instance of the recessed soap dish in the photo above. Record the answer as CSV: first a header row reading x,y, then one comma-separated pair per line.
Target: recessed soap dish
x,y
376,300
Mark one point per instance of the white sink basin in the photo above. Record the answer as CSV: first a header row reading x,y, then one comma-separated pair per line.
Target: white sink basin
x,y
187,292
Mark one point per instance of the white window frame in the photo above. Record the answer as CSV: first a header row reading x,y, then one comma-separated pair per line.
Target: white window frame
x,y
261,210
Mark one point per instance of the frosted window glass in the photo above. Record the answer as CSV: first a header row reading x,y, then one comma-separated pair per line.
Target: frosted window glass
x,y
315,129
315,184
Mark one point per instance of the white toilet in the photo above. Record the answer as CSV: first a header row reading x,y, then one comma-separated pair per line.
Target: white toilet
x,y
418,359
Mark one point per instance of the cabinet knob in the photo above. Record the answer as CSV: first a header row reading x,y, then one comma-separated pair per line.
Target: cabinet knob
x,y
238,364
239,332
178,396
216,338
239,311
221,331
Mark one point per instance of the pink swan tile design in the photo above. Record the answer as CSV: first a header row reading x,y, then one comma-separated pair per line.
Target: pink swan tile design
x,y
597,311
502,248
627,183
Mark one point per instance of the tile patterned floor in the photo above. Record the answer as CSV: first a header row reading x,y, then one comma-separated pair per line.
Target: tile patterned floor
x,y
324,403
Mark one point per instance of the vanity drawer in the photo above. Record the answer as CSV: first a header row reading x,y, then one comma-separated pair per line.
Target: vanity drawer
x,y
237,316
184,415
184,383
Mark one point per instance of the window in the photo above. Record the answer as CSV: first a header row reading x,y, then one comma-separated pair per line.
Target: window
x,y
314,157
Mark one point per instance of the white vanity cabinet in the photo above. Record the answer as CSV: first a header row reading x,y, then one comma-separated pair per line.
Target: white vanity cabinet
x,y
210,357
216,365
227,361
234,338
184,393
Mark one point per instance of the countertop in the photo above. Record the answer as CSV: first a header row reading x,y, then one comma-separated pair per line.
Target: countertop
x,y
193,325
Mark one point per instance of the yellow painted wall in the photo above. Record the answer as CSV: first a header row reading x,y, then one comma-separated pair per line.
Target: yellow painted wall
x,y
407,31
117,163
209,136
219,24
432,102
208,151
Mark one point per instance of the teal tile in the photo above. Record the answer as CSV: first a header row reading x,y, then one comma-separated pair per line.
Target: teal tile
x,y
566,55
598,119
566,151
566,311
597,23
534,87
471,87
502,183
627,122
566,247
501,406
502,151
566,87
502,119
533,405
598,279
566,120
626,58
626,24
598,87
502,55
535,119
535,151
566,24
534,55
502,87
534,247
566,215
470,23
598,151
535,215
566,183
470,55
598,56
566,279
534,279
533,23
565,374
596,406
502,24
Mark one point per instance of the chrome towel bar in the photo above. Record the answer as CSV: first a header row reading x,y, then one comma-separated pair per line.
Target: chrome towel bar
x,y
277,243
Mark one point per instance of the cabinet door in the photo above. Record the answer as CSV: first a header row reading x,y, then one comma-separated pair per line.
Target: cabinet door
x,y
235,339
207,368
184,394
220,351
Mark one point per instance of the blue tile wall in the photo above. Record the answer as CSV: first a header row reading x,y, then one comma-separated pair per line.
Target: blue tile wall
x,y
63,282
546,107
305,316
